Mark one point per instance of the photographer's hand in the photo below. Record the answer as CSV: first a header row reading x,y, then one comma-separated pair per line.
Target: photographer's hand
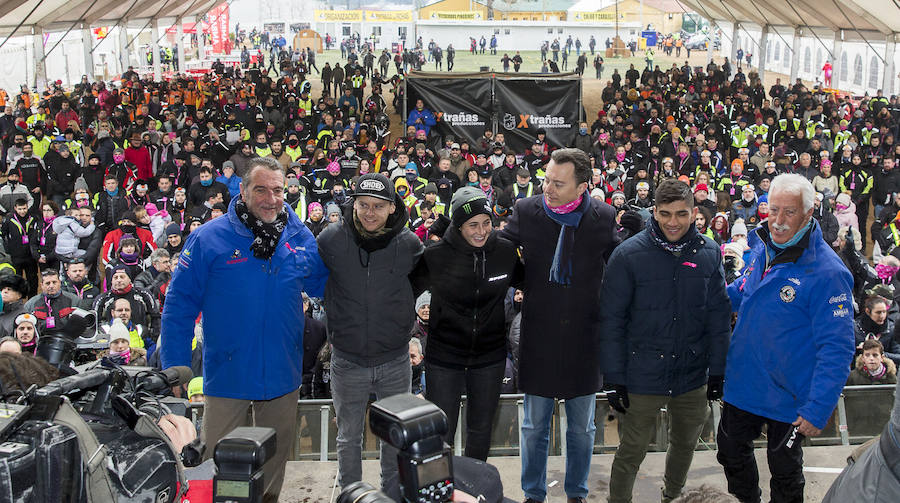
x,y
179,429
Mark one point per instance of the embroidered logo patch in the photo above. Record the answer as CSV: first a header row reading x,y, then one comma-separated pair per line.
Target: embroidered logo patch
x,y
787,293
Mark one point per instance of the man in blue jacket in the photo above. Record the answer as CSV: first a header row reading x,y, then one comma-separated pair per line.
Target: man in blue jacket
x,y
421,118
245,273
665,327
791,348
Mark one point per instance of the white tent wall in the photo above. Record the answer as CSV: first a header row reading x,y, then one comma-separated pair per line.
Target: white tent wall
x,y
16,66
862,73
522,36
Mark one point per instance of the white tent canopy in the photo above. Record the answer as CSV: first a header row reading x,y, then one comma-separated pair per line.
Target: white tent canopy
x,y
832,22
35,18
62,15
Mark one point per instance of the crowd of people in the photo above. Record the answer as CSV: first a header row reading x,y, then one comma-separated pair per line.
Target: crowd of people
x,y
423,259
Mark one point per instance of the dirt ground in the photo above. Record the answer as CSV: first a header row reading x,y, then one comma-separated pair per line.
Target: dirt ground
x,y
592,87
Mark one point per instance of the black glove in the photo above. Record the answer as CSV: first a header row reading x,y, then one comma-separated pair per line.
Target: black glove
x,y
632,221
618,397
714,387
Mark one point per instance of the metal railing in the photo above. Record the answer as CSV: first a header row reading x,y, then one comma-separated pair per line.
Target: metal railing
x,y
861,413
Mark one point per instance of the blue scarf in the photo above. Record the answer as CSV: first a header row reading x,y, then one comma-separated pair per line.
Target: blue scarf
x,y
561,267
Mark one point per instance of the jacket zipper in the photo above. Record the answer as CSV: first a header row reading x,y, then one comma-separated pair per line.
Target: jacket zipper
x,y
474,309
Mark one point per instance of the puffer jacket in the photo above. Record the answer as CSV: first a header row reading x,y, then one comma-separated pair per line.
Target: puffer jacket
x,y
792,345
252,309
69,233
467,321
370,303
859,376
666,319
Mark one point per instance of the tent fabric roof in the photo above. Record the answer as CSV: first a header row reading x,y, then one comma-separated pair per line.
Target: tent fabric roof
x,y
59,15
849,15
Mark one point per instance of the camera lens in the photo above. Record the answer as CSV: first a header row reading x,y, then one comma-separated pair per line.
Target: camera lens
x,y
362,492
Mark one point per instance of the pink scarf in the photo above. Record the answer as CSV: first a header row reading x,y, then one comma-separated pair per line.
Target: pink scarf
x,y
565,208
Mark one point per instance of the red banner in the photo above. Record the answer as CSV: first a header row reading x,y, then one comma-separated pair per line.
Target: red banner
x,y
218,24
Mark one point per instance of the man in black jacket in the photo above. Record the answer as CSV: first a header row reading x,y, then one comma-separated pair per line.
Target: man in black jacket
x,y
370,313
559,354
662,350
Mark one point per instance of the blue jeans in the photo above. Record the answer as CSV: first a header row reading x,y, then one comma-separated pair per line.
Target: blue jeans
x,y
351,386
536,443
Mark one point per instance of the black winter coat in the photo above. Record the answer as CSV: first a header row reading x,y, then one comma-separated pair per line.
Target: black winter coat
x,y
666,318
371,307
314,338
467,321
559,345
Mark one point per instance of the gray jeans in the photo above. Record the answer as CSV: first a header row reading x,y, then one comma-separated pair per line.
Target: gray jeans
x,y
351,386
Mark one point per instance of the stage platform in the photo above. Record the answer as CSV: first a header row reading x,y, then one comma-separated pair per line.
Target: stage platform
x,y
311,481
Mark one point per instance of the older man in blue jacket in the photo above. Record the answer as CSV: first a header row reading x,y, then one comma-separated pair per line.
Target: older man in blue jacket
x,y
791,348
246,273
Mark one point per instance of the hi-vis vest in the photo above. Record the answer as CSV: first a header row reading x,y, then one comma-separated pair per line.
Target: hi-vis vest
x,y
519,194
294,152
840,139
783,124
357,81
739,137
865,136
263,152
759,130
306,104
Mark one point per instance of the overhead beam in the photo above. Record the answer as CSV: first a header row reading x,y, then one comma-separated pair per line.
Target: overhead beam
x,y
143,6
814,11
9,6
779,10
863,11
746,11
64,11
101,9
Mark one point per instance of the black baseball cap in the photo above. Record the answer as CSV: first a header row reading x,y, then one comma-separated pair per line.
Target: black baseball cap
x,y
375,185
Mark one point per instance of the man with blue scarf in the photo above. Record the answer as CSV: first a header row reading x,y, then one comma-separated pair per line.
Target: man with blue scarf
x,y
565,238
791,348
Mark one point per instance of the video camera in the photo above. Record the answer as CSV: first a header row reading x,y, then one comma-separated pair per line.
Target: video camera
x,y
414,427
94,436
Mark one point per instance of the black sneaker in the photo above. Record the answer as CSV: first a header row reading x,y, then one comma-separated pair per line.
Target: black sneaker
x,y
579,499
529,500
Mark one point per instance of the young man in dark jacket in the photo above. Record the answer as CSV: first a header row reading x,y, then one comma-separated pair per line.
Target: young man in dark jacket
x,y
15,231
651,361
559,353
370,255
468,272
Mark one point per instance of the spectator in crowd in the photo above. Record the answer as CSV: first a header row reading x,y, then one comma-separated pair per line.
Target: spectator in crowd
x,y
874,324
467,333
268,250
798,289
872,366
650,362
556,281
13,290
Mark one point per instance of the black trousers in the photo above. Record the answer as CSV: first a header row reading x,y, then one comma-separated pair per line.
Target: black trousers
x,y
737,431
862,214
445,386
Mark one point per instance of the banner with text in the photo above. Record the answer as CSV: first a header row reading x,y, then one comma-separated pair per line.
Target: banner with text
x,y
461,107
526,105
595,16
338,16
218,22
456,15
389,16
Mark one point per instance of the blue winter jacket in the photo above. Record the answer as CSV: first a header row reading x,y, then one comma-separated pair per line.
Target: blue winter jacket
x,y
665,319
793,343
252,309
428,120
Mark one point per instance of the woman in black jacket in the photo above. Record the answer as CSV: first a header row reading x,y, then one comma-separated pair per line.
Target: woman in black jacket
x,y
468,272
